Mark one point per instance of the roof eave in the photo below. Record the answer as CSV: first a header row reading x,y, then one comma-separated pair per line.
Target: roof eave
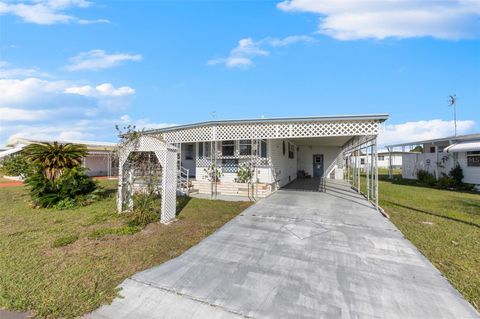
x,y
375,117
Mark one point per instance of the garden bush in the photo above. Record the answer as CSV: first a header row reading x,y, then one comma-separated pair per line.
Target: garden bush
x,y
446,182
67,191
15,165
244,174
426,178
146,209
456,174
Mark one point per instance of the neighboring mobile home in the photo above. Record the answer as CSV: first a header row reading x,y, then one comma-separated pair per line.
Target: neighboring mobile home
x,y
279,150
439,156
100,160
385,160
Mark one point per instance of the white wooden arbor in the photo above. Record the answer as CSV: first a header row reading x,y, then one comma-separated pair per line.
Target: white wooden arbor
x,y
167,157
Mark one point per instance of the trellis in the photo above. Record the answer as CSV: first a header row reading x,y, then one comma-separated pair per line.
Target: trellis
x,y
352,152
238,131
166,155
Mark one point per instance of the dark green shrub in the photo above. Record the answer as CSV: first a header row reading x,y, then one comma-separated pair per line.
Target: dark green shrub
x,y
456,174
426,178
69,187
15,165
446,182
65,240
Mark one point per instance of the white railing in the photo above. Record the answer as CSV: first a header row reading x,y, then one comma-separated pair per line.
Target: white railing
x,y
183,180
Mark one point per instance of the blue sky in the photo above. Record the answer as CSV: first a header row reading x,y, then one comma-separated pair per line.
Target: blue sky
x,y
72,69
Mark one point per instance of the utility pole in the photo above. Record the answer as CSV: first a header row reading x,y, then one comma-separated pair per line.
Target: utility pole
x,y
452,100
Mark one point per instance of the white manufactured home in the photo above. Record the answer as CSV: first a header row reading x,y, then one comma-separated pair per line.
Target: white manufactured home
x,y
100,159
386,160
279,150
439,156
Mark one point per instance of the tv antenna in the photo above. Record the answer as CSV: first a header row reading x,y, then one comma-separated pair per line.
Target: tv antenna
x,y
452,101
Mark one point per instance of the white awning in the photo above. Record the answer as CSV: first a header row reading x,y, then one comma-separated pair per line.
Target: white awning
x,y
463,147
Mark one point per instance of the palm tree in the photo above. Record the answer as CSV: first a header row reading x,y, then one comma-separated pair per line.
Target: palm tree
x,y
55,157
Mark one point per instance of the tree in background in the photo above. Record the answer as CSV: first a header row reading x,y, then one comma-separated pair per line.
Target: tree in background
x,y
54,158
15,165
57,178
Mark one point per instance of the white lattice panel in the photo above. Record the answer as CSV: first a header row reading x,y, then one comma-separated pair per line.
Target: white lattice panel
x,y
167,156
240,131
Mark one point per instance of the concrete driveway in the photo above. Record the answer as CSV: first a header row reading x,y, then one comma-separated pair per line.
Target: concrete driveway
x,y
295,254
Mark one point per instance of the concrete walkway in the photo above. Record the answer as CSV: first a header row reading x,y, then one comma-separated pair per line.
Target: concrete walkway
x,y
295,254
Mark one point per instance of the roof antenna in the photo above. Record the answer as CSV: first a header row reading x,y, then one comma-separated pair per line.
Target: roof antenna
x,y
452,101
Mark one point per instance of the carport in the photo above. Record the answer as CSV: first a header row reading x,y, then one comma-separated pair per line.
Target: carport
x,y
296,254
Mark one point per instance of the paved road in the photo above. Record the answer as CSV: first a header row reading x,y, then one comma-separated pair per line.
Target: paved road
x,y
295,254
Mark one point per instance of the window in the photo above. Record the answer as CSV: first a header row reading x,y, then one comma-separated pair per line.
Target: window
x,y
381,157
283,147
263,148
189,152
228,148
200,149
291,150
432,149
245,147
473,158
203,149
362,161
229,165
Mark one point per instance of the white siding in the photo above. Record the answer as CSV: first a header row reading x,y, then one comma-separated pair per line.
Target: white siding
x,y
471,173
427,161
330,154
285,168
97,165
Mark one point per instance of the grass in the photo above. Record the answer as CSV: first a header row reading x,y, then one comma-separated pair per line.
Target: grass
x,y
444,225
67,263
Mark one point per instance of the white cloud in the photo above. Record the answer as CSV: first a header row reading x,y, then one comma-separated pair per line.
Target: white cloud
x,y
46,12
357,19
242,55
7,71
99,59
275,42
105,89
421,130
46,108
14,91
15,114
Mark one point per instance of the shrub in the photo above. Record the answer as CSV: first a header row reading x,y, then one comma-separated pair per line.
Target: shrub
x,y
63,191
15,165
426,178
456,174
244,174
65,240
446,182
146,209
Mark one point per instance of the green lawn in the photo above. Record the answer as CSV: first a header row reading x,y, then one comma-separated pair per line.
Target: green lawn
x,y
66,263
444,225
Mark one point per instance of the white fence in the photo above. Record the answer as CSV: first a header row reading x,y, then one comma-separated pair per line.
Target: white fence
x,y
435,164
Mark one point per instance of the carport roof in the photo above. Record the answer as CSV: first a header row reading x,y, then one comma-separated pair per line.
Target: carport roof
x,y
382,117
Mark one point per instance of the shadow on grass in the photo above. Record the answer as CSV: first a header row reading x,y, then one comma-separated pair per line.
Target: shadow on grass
x,y
398,180
107,192
433,214
182,201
